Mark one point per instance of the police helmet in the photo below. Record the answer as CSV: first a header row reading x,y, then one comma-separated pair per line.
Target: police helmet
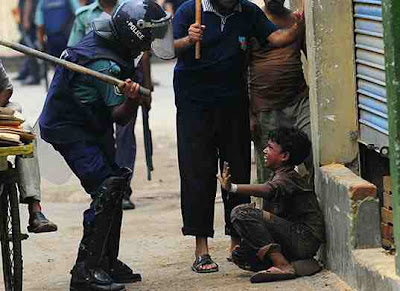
x,y
142,25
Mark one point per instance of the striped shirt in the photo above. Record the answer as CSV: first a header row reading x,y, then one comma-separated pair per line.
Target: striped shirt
x,y
207,7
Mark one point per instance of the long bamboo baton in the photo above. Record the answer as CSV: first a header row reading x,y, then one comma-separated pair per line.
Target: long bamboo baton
x,y
69,65
198,21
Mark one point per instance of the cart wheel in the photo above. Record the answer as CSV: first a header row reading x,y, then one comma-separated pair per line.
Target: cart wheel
x,y
10,235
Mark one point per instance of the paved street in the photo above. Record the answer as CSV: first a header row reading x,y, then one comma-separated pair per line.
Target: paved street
x,y
151,239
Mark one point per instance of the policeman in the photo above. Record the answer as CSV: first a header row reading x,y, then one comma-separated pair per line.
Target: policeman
x,y
77,120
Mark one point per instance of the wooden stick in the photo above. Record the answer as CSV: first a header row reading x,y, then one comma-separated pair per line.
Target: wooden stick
x,y
68,65
198,21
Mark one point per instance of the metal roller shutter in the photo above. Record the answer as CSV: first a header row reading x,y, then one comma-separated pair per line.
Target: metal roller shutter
x,y
370,70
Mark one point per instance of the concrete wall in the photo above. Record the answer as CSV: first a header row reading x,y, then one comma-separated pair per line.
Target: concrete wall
x,y
331,75
350,208
352,223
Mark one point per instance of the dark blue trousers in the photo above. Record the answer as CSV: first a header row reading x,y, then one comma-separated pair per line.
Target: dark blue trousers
x,y
91,162
125,142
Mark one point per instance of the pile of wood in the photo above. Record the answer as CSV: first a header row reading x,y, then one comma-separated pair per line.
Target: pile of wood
x,y
11,130
387,215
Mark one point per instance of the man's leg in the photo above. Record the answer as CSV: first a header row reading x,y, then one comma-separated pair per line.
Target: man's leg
x,y
33,77
118,271
198,166
106,186
125,154
30,193
234,148
300,113
29,185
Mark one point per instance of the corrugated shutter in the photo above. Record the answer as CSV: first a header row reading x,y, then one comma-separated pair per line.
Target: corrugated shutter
x,y
371,86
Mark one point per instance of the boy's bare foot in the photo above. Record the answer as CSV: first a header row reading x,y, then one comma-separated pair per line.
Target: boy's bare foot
x,y
280,262
234,244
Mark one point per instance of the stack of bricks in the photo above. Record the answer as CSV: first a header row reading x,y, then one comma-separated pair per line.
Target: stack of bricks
x,y
387,215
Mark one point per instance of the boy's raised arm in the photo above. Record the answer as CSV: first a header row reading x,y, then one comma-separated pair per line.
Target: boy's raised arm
x,y
257,190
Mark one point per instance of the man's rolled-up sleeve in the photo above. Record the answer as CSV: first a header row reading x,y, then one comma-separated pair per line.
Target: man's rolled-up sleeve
x,y
182,21
263,27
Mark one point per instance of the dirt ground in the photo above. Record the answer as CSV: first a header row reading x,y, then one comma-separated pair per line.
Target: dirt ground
x,y
152,242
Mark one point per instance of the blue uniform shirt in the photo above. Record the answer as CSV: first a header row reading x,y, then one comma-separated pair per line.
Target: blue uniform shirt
x,y
219,76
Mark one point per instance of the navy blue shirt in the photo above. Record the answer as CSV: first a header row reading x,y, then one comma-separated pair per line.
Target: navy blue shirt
x,y
219,76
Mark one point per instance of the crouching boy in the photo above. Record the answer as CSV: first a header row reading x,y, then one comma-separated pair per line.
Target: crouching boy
x,y
290,227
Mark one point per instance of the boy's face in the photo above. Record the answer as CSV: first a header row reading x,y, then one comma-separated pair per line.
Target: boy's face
x,y
274,157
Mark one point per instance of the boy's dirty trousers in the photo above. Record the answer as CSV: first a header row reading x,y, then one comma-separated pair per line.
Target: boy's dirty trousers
x,y
206,138
293,239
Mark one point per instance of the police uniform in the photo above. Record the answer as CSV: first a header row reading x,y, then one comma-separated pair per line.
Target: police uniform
x,y
83,21
56,17
125,138
76,120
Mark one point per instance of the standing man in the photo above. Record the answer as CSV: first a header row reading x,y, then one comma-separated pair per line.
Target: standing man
x,y
278,90
29,74
54,19
84,17
125,135
77,120
212,108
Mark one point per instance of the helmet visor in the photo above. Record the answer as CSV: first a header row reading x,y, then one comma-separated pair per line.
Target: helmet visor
x,y
163,43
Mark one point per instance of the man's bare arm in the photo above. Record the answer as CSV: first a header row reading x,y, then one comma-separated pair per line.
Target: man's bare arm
x,y
284,37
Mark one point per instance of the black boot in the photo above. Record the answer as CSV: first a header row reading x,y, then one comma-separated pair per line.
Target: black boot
x,y
87,273
127,204
119,271
97,280
122,273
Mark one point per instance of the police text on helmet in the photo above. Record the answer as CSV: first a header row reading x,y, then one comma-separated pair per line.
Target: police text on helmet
x,y
135,30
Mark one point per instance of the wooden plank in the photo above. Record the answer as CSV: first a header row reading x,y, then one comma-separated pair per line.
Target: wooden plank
x,y
387,231
386,215
387,184
388,200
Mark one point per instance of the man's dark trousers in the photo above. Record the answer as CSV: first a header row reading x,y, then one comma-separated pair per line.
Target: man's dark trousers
x,y
208,136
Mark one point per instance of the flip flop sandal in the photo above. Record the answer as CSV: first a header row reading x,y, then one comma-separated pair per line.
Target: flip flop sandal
x,y
203,261
272,274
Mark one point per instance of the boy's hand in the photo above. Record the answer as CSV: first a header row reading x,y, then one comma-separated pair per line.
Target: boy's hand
x,y
225,178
